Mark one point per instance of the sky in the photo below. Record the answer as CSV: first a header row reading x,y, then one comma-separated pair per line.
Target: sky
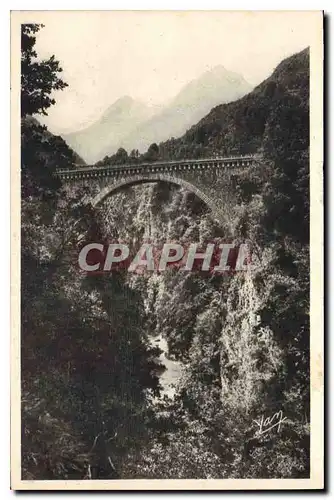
x,y
151,55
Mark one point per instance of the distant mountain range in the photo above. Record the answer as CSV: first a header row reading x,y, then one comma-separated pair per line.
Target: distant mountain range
x,y
133,125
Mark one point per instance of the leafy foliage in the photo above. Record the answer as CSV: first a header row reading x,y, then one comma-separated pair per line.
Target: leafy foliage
x,y
38,78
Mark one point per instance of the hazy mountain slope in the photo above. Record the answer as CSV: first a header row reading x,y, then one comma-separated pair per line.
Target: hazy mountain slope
x,y
190,105
241,126
70,157
118,120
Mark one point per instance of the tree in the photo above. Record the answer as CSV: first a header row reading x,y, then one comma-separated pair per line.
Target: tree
x,y
152,152
38,78
41,152
120,157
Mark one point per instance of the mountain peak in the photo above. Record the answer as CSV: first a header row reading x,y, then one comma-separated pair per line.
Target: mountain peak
x,y
287,86
124,100
118,120
217,85
218,69
122,103
131,124
219,72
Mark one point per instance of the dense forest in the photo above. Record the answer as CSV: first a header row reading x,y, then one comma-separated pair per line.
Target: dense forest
x,y
92,397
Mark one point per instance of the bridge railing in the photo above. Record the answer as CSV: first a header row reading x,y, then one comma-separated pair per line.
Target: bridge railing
x,y
225,159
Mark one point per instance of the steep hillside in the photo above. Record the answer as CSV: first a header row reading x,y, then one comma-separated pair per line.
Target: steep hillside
x,y
41,154
71,156
241,127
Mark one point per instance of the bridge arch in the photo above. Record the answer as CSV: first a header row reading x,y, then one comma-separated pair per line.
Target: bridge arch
x,y
111,188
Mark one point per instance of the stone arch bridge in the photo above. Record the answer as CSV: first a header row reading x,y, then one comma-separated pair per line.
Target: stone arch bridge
x,y
213,180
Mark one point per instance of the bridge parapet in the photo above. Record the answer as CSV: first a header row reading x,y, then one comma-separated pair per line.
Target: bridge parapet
x,y
157,167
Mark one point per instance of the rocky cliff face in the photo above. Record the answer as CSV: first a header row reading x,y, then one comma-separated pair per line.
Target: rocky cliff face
x,y
243,338
218,328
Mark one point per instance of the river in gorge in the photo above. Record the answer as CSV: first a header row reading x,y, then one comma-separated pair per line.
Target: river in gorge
x,y
171,376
